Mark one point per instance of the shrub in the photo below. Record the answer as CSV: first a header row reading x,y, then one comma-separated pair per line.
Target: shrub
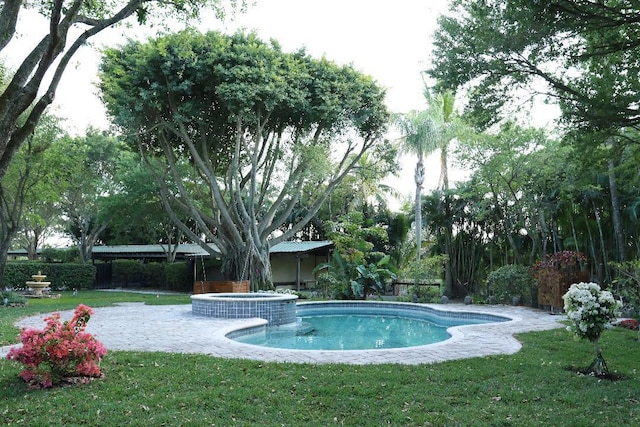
x,y
128,272
172,276
510,281
61,276
425,294
176,275
590,311
64,255
59,351
627,286
13,298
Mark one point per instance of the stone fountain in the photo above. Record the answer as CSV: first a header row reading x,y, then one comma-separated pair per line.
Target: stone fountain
x,y
37,285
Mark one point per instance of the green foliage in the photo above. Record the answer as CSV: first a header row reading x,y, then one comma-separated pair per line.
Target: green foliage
x,y
343,278
584,52
29,190
355,237
172,276
627,286
60,255
250,122
61,276
12,298
86,176
510,281
427,270
371,279
356,270
422,294
334,275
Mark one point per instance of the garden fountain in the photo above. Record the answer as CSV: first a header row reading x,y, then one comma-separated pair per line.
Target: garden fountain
x,y
37,285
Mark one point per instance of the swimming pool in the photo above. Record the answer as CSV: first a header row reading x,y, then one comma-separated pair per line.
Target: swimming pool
x,y
361,325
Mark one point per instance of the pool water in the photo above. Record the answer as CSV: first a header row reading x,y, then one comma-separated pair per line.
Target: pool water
x,y
349,332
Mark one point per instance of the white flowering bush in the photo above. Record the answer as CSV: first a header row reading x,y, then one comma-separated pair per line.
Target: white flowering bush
x,y
590,310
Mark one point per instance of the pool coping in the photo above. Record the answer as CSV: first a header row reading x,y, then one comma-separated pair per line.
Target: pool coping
x,y
173,328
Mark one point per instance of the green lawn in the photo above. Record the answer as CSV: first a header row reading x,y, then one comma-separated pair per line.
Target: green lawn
x,y
531,388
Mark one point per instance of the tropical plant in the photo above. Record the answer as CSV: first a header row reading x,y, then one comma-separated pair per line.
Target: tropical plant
x,y
371,279
627,284
418,135
422,133
334,275
345,278
627,288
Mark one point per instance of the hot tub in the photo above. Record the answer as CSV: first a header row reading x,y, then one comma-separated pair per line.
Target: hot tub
x,y
277,309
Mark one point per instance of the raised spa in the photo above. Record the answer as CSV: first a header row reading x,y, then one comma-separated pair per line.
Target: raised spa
x,y
277,309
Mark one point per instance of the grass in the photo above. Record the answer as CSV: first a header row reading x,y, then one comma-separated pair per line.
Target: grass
x,y
531,388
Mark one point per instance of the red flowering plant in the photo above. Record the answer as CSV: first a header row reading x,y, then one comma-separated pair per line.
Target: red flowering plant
x,y
559,262
60,351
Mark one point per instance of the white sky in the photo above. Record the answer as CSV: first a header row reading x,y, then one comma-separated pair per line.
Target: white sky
x,y
391,41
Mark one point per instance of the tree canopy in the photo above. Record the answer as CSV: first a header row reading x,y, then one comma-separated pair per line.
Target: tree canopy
x,y
583,54
72,23
257,125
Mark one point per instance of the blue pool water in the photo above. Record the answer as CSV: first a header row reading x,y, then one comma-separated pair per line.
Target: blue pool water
x,y
364,326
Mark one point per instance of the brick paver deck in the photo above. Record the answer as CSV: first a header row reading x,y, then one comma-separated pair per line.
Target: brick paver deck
x,y
140,327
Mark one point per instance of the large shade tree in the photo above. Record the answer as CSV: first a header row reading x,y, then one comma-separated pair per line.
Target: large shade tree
x,y
583,54
258,126
85,177
71,25
26,186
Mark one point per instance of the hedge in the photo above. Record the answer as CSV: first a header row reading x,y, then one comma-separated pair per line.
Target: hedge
x,y
62,276
157,275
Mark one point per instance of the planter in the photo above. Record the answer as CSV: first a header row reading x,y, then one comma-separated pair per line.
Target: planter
x,y
221,286
552,289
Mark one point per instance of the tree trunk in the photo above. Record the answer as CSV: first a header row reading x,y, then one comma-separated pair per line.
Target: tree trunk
x,y
249,263
603,249
419,179
615,213
5,245
592,249
51,56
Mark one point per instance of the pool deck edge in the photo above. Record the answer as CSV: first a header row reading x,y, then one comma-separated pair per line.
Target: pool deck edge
x,y
139,327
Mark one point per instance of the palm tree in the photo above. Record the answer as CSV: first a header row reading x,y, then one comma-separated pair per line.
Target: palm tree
x,y
447,128
419,136
423,132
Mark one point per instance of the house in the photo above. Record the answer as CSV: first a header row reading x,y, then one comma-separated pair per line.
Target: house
x,y
292,263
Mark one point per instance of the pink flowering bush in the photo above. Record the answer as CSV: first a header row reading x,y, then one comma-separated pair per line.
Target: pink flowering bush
x,y
62,350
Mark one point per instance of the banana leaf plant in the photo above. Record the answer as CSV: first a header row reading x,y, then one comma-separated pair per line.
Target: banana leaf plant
x,y
371,279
